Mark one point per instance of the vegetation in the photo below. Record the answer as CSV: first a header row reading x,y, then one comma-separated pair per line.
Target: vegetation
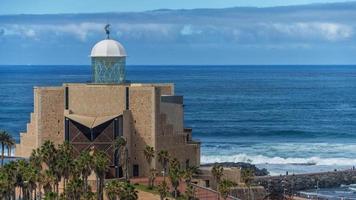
x,y
116,189
225,188
217,171
175,174
163,159
149,154
247,177
188,176
163,190
40,175
7,141
120,145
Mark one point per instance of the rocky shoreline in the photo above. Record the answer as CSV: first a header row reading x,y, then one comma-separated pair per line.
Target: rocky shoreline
x,y
257,171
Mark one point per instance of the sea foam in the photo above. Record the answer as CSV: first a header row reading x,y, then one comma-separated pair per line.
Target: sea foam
x,y
260,159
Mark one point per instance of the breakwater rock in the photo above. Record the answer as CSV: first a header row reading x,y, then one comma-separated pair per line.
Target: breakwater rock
x,y
290,184
242,165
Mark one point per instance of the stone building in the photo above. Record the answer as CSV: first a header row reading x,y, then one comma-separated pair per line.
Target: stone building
x,y
92,115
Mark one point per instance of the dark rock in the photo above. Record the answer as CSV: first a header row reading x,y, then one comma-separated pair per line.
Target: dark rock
x,y
242,165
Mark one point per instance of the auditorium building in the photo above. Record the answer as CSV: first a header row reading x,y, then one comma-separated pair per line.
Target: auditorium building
x,y
92,115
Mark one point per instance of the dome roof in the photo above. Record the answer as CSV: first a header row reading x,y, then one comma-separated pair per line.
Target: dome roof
x,y
108,48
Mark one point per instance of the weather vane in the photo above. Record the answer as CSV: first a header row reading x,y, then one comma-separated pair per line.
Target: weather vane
x,y
107,31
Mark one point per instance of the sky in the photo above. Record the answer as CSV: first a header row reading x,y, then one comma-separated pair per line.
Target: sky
x,y
306,34
90,6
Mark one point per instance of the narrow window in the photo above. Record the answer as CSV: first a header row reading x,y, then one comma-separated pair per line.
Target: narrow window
x,y
127,98
66,93
207,183
135,170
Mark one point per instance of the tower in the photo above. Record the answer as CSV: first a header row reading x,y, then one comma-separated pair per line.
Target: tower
x,y
108,60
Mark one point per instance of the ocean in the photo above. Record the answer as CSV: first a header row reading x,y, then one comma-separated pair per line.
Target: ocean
x,y
284,118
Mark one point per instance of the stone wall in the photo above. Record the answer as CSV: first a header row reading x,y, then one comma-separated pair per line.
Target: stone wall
x,y
96,100
142,106
293,183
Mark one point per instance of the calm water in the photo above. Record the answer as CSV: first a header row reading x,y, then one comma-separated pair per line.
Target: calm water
x,y
273,116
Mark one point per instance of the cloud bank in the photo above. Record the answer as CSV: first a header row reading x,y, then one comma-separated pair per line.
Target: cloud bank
x,y
312,34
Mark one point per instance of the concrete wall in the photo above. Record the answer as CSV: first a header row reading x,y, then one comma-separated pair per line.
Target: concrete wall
x,y
46,122
174,116
51,115
96,100
232,174
143,107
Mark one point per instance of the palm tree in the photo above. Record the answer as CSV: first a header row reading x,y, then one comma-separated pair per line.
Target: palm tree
x,y
84,165
120,146
100,166
35,161
51,196
4,138
113,189
65,162
4,185
225,187
47,181
247,177
10,169
50,157
149,154
48,153
188,176
163,159
128,192
163,190
10,142
217,171
74,189
29,181
175,175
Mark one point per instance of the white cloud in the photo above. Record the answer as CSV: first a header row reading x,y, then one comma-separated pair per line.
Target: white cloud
x,y
33,31
190,30
315,30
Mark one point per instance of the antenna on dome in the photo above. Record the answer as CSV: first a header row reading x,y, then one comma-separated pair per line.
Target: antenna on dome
x,y
107,31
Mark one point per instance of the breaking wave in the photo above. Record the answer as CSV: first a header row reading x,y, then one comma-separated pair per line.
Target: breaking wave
x,y
260,159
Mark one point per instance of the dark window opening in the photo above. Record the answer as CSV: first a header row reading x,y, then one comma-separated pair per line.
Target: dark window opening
x,y
66,98
207,183
187,162
127,99
135,170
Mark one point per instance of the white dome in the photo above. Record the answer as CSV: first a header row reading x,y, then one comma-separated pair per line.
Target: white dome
x,y
108,48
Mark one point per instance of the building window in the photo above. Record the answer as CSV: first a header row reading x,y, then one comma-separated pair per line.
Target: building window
x,y
135,170
127,98
66,98
187,163
207,183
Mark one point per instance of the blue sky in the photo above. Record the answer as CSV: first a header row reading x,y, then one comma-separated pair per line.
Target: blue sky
x,y
90,6
307,34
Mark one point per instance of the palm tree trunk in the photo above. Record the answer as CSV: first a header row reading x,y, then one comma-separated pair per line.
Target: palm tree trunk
x,y
97,187
126,163
39,191
64,185
9,150
101,188
2,153
14,194
85,185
